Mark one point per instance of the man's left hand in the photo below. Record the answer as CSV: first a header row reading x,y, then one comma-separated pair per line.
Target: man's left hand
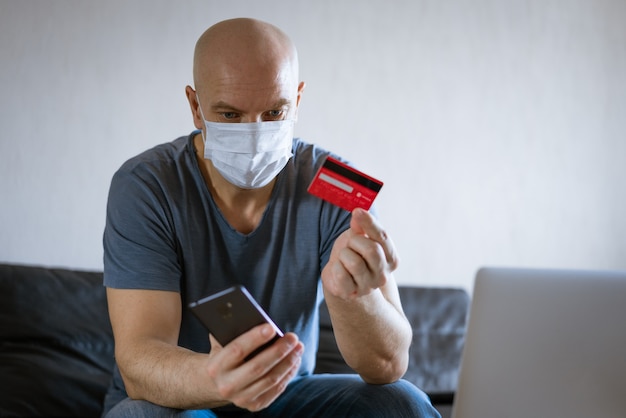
x,y
362,258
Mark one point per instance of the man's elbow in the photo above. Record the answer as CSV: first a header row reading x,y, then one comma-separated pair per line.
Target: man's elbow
x,y
131,386
385,371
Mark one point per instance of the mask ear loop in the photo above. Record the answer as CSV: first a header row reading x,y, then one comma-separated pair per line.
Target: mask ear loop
x,y
203,120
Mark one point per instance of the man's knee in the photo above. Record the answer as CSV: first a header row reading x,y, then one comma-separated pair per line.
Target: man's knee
x,y
350,396
129,408
136,409
399,399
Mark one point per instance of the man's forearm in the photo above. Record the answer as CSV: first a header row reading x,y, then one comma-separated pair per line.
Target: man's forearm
x,y
169,376
373,336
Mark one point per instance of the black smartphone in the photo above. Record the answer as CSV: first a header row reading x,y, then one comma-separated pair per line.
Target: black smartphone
x,y
230,313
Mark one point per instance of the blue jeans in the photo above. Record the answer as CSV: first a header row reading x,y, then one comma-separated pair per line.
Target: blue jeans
x,y
311,396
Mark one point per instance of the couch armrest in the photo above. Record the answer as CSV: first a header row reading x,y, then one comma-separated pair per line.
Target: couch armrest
x,y
56,350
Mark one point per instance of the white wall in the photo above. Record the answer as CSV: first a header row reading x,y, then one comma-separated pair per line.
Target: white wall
x,y
499,127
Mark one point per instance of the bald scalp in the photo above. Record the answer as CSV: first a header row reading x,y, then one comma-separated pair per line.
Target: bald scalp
x,y
242,44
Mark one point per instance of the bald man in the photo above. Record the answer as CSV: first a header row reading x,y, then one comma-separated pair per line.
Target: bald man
x,y
227,204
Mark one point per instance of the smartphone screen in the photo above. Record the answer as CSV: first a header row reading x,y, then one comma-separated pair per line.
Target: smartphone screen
x,y
230,313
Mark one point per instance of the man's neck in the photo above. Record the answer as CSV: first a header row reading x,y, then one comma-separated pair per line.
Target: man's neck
x,y
242,208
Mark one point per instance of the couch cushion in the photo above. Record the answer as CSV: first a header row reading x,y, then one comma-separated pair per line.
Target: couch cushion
x,y
329,359
438,317
56,352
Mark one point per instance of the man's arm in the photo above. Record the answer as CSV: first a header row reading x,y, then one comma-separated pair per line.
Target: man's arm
x,y
146,324
371,329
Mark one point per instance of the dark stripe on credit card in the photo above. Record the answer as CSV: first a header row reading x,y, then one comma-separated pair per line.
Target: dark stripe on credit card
x,y
352,175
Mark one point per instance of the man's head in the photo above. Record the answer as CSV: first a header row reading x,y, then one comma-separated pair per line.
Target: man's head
x,y
244,70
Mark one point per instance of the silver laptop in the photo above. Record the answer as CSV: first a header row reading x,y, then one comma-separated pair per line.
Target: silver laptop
x,y
544,343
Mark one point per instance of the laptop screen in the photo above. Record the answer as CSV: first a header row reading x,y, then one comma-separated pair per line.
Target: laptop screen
x,y
544,343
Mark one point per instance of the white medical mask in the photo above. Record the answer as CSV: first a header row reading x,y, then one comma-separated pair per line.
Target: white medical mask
x,y
248,155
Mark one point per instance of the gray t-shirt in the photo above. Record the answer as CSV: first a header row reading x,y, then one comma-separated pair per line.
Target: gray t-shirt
x,y
165,232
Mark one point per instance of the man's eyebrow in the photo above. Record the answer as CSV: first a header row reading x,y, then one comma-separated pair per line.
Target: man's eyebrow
x,y
221,105
281,103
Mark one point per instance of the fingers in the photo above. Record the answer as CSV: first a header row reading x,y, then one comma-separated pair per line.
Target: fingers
x,y
243,346
255,383
353,275
362,260
364,223
276,375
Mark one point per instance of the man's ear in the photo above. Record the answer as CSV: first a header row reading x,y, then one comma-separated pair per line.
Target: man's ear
x,y
301,87
192,98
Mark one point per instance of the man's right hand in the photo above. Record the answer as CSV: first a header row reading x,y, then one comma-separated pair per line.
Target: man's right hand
x,y
146,325
256,383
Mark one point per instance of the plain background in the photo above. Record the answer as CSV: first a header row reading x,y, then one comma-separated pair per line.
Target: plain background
x,y
498,127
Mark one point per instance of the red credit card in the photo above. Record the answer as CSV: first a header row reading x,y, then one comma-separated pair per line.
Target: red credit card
x,y
344,186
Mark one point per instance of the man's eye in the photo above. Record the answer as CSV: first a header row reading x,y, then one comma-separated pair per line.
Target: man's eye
x,y
230,115
274,114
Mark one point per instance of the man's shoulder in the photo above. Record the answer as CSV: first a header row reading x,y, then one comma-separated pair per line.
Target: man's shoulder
x,y
307,153
160,156
311,155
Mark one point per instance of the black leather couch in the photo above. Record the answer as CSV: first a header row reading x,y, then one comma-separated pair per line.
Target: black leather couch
x,y
56,349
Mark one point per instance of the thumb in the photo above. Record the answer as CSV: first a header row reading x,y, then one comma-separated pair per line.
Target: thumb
x,y
215,346
356,226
